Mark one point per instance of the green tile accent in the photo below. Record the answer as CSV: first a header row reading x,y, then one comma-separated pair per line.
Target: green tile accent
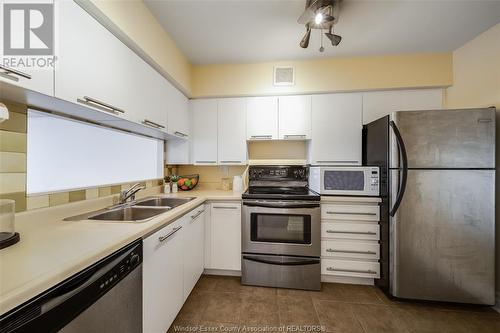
x,y
12,162
104,191
77,195
16,123
57,199
18,197
116,189
13,142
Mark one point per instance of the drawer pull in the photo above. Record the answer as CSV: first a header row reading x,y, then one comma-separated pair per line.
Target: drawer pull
x,y
338,162
234,162
193,217
224,207
351,213
152,124
351,232
206,162
261,137
99,104
296,136
15,72
163,238
333,269
182,135
347,251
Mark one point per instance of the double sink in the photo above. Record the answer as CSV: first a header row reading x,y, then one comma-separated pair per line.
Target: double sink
x,y
136,211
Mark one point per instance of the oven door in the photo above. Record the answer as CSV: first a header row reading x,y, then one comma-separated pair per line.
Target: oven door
x,y
281,227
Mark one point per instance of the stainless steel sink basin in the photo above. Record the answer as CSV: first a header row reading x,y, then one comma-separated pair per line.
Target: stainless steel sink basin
x,y
129,213
163,202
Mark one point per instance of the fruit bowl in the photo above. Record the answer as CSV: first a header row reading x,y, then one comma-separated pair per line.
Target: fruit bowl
x,y
187,183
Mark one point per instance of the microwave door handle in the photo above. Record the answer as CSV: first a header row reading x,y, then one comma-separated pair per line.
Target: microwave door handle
x,y
404,169
280,263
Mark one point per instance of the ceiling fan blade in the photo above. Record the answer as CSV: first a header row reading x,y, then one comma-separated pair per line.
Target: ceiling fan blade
x,y
304,43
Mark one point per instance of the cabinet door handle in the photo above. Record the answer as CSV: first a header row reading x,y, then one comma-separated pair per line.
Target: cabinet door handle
x,y
152,123
234,162
164,238
348,251
261,136
15,72
294,136
333,269
100,105
351,232
225,207
193,217
211,162
352,213
339,162
182,135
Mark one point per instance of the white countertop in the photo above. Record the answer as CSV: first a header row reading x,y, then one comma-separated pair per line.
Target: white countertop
x,y
51,250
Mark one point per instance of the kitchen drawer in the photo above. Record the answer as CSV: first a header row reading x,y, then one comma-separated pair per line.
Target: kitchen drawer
x,y
350,230
350,212
353,268
350,249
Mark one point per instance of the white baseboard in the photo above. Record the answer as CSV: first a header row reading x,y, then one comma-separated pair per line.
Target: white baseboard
x,y
347,279
223,272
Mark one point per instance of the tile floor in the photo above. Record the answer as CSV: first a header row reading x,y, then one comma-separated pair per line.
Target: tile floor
x,y
222,304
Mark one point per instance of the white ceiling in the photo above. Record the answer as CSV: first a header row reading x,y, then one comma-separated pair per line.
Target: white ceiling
x,y
242,31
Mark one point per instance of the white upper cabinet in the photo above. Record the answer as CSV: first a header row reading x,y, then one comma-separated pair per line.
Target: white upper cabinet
x,y
204,126
336,129
377,104
294,117
232,145
40,80
179,120
262,118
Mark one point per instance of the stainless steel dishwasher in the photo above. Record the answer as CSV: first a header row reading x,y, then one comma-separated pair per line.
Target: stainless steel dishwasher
x,y
105,297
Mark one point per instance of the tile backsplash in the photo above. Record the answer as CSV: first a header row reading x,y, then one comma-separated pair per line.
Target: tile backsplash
x,y
13,148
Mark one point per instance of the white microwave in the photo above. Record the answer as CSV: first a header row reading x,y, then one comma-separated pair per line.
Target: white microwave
x,y
345,180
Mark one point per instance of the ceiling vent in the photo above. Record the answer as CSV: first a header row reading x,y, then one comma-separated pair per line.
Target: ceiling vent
x,y
284,76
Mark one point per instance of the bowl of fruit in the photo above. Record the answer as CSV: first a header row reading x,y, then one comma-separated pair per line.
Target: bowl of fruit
x,y
187,183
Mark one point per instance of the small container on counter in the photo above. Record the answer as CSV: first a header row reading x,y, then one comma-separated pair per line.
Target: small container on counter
x,y
8,235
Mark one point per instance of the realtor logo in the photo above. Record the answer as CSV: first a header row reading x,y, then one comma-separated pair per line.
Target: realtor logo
x,y
28,29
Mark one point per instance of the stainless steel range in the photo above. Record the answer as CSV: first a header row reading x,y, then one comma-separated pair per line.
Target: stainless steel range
x,y
281,229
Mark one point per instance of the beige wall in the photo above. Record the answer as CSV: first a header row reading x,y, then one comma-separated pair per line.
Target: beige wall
x,y
476,83
211,176
326,75
135,20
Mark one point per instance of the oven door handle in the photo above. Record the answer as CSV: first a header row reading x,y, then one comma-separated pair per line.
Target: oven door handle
x,y
281,204
280,263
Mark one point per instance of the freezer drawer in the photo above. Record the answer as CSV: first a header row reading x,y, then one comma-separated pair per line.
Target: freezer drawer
x,y
443,237
353,268
350,249
350,212
350,230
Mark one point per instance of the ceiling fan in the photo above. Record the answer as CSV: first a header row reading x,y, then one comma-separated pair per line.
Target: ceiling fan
x,y
320,15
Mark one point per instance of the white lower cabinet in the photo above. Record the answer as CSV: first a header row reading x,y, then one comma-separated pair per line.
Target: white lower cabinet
x,y
173,263
162,278
194,248
350,236
225,235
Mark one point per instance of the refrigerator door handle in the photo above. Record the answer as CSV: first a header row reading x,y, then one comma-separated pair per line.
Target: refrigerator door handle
x,y
404,160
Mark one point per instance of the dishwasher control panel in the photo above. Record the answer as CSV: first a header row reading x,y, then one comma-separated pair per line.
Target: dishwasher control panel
x,y
130,261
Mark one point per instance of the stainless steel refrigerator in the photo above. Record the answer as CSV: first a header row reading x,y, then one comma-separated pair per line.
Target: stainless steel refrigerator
x,y
438,203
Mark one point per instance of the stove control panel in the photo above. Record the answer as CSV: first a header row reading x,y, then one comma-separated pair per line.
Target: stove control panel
x,y
291,172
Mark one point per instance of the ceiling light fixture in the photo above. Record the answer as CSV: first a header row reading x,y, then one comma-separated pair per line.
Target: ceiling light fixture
x,y
318,18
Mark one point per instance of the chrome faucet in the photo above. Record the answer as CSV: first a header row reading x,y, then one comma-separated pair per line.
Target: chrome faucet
x,y
130,193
